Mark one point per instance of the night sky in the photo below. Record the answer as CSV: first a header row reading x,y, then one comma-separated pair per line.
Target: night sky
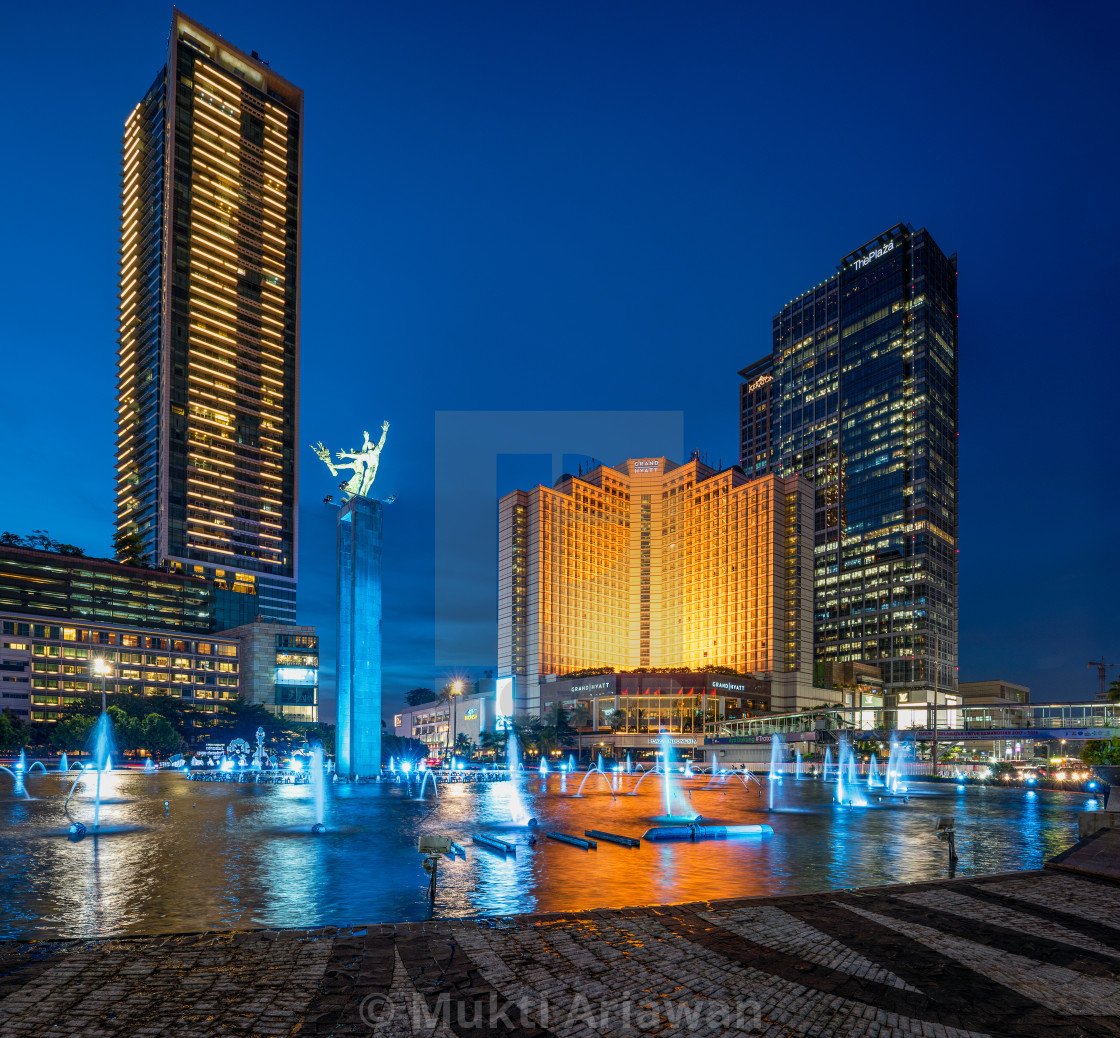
x,y
601,206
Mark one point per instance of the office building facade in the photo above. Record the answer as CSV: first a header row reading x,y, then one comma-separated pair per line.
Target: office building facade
x,y
859,396
48,665
77,589
280,669
208,337
655,565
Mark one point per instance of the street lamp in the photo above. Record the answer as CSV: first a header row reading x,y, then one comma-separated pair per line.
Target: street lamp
x,y
454,690
101,666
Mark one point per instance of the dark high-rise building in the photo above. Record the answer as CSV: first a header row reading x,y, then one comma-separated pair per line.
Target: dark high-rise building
x,y
208,340
859,395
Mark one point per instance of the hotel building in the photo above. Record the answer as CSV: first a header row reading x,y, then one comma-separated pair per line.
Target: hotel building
x,y
858,395
208,339
48,666
652,565
160,633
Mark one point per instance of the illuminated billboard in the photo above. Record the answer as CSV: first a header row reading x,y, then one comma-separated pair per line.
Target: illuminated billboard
x,y
297,676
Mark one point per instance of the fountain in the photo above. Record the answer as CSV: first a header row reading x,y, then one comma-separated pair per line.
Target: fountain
x,y
101,745
669,818
149,764
517,812
893,777
629,764
319,790
563,778
63,767
847,781
873,778
17,776
597,770
827,764
777,758
571,762
429,776
797,766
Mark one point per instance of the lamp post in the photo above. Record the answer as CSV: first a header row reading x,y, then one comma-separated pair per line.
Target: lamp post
x,y
454,690
101,666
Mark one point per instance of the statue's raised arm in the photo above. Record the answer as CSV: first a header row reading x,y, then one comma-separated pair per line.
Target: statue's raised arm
x,y
324,456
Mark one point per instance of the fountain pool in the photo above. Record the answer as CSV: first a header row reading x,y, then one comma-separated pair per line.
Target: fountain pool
x,y
241,855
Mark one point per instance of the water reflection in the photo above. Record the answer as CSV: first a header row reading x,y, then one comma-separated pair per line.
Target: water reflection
x,y
225,855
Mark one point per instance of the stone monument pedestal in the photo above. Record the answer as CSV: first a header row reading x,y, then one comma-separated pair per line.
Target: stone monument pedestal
x,y
358,735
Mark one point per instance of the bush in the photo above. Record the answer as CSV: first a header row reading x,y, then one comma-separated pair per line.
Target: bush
x,y
1101,751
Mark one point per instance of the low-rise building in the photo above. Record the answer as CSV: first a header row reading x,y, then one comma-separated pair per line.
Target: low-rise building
x,y
280,669
438,725
993,691
62,663
630,711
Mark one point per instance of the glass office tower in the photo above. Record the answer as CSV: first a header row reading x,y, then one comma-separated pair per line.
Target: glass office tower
x,y
859,395
208,357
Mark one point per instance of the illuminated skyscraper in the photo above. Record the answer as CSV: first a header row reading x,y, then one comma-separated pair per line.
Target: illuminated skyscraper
x,y
653,565
859,395
208,356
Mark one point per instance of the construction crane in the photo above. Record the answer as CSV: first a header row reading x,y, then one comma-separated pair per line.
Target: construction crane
x,y
1101,667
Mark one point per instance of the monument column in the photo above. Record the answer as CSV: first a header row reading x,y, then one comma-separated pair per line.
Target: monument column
x,y
358,735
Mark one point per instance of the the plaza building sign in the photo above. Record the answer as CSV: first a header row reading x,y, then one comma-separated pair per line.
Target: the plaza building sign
x,y
872,255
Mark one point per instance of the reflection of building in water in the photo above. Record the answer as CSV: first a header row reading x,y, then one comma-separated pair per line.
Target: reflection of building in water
x,y
280,668
654,565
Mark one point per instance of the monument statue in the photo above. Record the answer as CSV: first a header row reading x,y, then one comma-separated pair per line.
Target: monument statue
x,y
363,463
358,608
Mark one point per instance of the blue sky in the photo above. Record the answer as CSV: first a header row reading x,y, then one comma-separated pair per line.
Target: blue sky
x,y
601,206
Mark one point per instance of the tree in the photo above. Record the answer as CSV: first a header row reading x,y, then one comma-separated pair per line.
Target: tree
x,y
419,696
241,721
560,724
493,742
41,540
159,736
402,749
528,732
128,732
463,744
72,733
1101,751
129,549
323,734
11,737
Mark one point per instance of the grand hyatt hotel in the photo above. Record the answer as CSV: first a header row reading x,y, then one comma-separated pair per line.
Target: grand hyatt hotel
x,y
657,583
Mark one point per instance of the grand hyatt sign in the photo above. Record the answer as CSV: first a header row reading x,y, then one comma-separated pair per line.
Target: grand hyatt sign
x,y
594,686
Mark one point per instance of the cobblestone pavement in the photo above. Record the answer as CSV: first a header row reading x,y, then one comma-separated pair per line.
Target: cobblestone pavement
x,y
1031,954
